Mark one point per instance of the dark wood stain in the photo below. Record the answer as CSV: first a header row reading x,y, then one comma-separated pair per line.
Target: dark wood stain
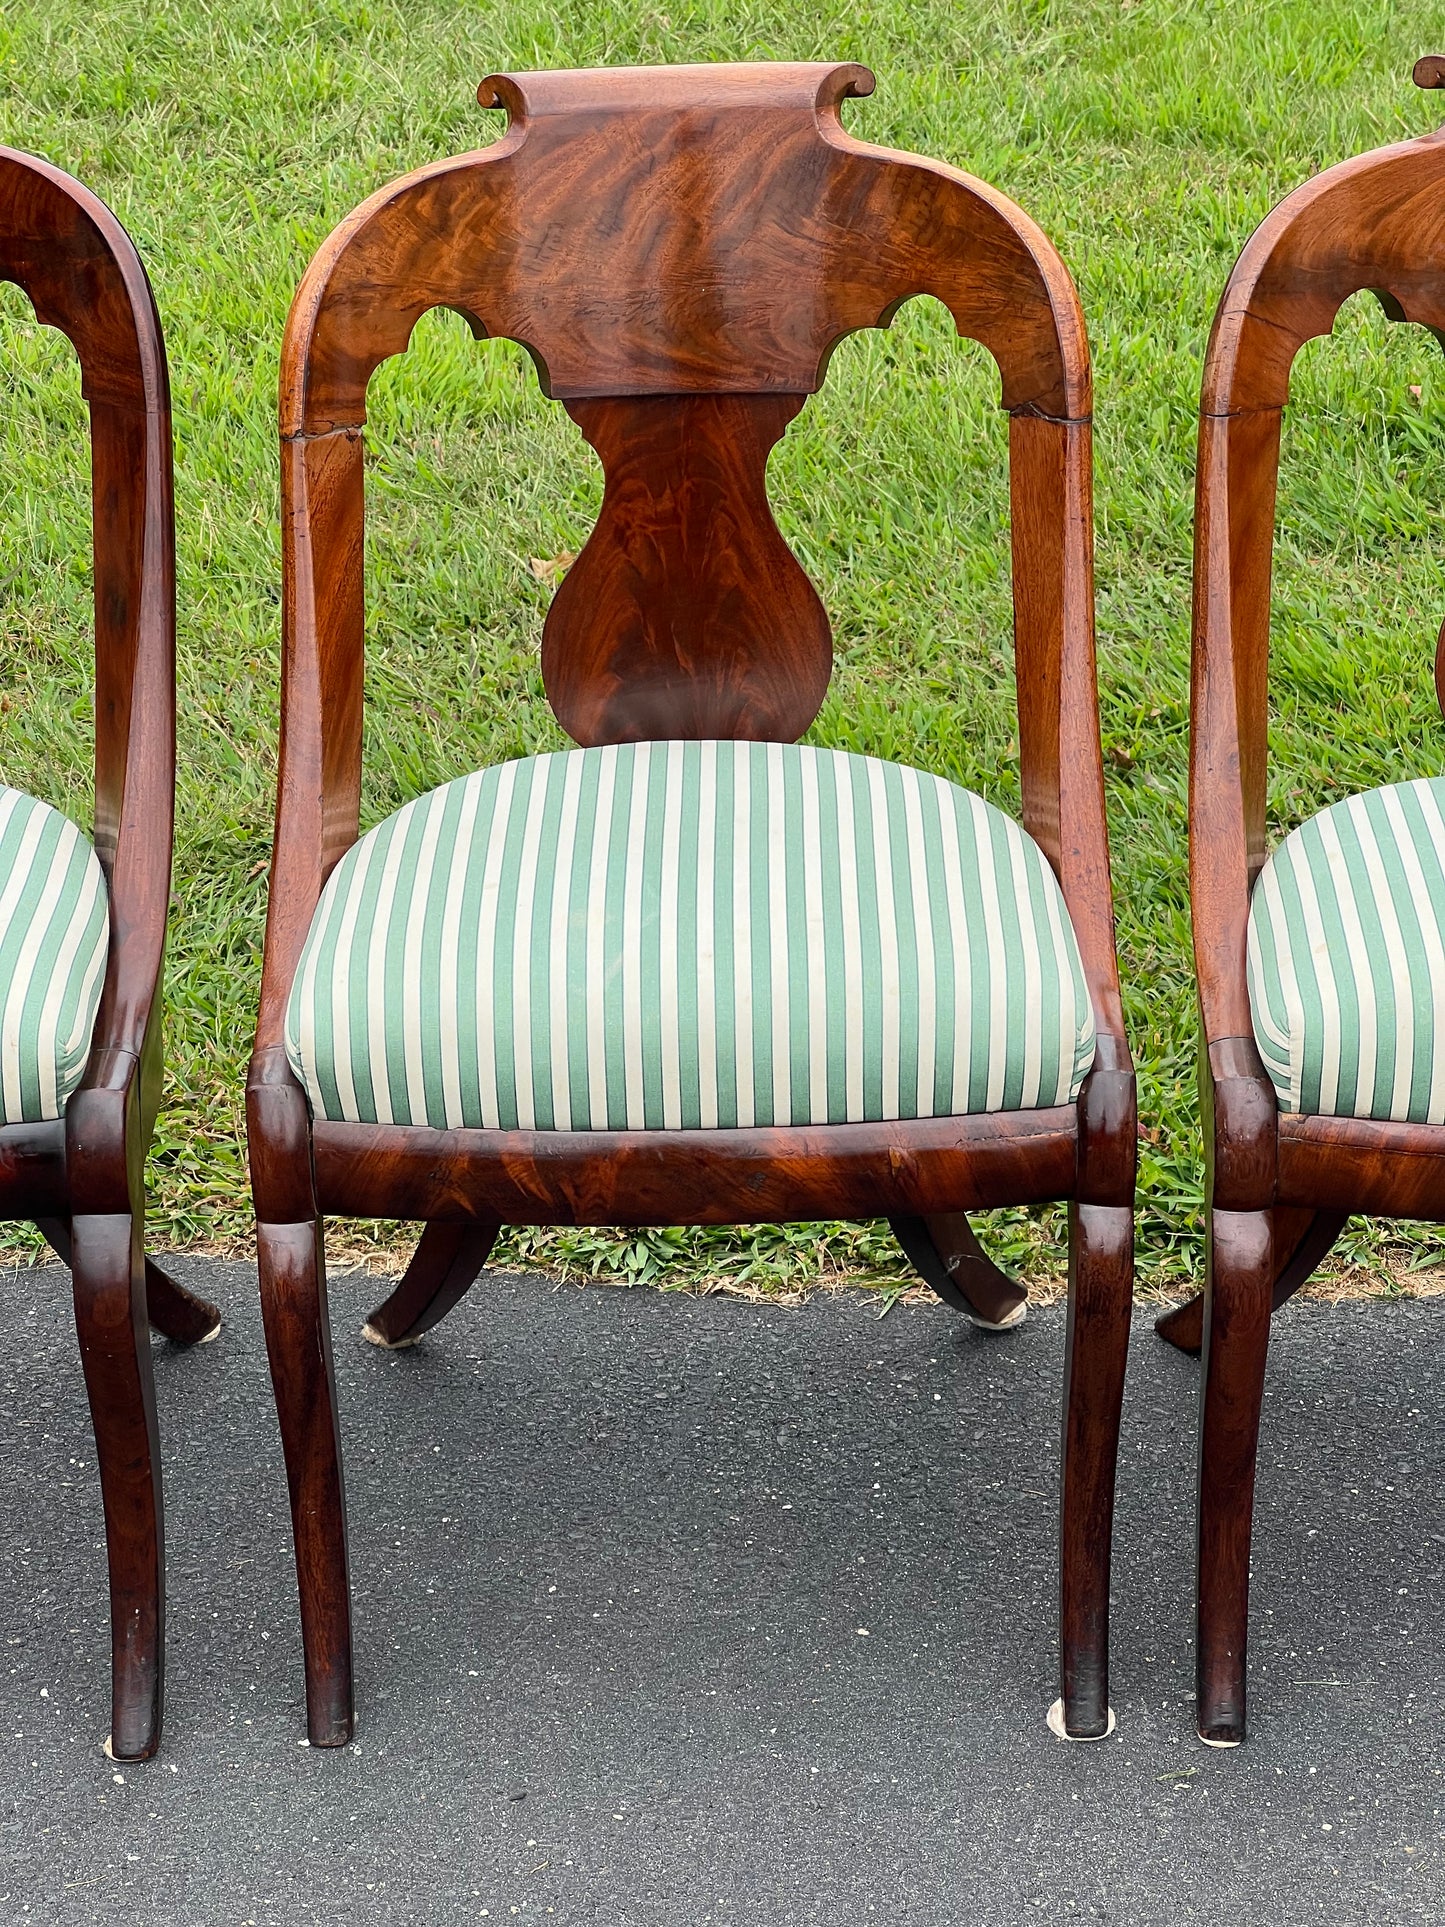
x,y
81,1179
680,249
1279,1188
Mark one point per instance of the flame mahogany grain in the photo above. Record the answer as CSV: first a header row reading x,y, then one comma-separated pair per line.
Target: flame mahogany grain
x,y
81,1178
680,249
686,614
1279,1187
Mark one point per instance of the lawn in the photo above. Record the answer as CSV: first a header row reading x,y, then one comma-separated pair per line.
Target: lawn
x,y
1147,139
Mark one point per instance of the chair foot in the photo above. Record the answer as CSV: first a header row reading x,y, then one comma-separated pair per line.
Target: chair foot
x,y
178,1314
108,1281
298,1343
1236,1342
1183,1326
949,1258
1101,1278
443,1269
1006,1324
1060,1730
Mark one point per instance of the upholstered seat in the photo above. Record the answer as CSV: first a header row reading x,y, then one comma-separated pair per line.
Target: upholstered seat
x,y
53,941
1347,958
689,935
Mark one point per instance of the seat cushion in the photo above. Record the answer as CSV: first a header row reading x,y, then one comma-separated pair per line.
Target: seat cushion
x,y
54,934
687,936
1347,958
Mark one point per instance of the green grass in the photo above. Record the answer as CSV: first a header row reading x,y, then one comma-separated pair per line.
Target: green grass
x,y
1146,139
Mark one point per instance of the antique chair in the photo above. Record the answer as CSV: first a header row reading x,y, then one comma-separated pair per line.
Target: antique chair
x,y
1321,973
82,930
680,249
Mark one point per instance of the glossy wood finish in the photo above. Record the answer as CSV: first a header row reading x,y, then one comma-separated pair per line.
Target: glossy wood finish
x,y
945,1251
81,1178
692,1177
1279,1188
1301,1238
444,1267
680,249
686,614
171,1310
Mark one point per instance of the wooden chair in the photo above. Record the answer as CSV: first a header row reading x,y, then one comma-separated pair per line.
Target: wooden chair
x,y
1300,1131
82,930
679,249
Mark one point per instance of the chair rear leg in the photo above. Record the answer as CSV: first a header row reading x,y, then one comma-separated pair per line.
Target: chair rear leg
x,y
178,1314
108,1281
298,1343
442,1271
1237,1306
173,1311
949,1258
1101,1280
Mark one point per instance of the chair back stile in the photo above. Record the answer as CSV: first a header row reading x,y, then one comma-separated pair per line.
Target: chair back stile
x,y
1373,223
73,259
1312,1110
78,1173
680,250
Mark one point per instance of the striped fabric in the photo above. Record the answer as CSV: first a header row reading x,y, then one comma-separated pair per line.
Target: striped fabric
x,y
689,936
54,933
1347,958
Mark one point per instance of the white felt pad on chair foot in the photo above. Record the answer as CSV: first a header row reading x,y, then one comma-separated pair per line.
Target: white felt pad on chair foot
x,y
1014,1319
374,1337
1060,1732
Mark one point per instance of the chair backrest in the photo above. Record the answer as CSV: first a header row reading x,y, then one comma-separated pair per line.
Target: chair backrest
x,y
77,264
680,249
1376,222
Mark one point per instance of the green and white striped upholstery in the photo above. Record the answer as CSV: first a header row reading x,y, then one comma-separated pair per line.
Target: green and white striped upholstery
x,y
687,936
54,933
1347,958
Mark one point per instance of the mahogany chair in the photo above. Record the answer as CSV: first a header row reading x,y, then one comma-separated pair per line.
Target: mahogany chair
x,y
1321,972
680,249
82,929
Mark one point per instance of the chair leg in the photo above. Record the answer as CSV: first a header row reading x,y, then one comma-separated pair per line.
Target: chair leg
x,y
949,1258
1303,1239
108,1280
298,1343
173,1311
443,1269
1101,1277
178,1314
1236,1340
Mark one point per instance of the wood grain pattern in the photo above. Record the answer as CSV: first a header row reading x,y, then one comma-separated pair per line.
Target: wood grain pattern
x,y
1279,1188
1302,1239
680,249
73,259
686,614
758,1176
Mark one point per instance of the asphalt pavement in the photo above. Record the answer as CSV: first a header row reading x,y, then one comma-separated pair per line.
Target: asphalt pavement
x,y
695,1611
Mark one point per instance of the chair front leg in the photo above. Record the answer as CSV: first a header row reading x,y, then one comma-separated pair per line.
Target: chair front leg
x,y
298,1343
1238,1293
1101,1279
173,1311
108,1280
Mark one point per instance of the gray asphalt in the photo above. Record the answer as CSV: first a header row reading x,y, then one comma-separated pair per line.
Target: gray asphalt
x,y
692,1611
